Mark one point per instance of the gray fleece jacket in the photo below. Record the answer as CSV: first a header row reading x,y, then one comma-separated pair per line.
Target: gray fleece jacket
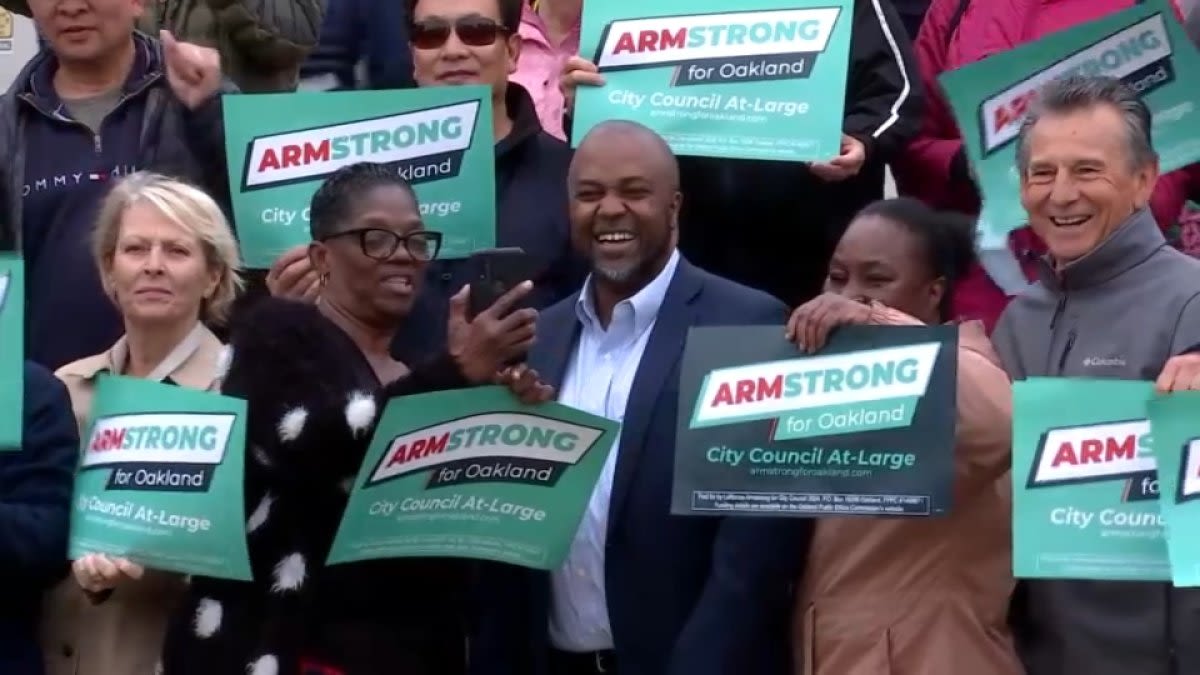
x,y
1119,312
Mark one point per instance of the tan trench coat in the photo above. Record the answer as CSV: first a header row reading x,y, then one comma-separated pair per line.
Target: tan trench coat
x,y
122,635
892,596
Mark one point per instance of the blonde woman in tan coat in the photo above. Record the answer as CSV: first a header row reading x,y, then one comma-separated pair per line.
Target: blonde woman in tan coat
x,y
919,596
169,261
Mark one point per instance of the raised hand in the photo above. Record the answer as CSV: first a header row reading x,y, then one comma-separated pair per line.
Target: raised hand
x,y
292,275
193,72
810,325
576,71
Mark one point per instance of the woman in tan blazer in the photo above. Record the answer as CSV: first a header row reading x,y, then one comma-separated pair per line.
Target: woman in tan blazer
x,y
169,261
914,596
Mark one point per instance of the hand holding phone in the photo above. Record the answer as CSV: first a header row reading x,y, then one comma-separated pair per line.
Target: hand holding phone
x,y
495,272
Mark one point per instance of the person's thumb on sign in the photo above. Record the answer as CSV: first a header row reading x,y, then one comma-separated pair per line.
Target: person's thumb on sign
x,y
849,161
576,71
193,72
96,572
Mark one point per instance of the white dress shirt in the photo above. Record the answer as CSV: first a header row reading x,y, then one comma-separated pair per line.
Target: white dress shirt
x,y
598,380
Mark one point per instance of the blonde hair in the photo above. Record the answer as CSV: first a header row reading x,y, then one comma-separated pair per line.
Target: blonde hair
x,y
187,207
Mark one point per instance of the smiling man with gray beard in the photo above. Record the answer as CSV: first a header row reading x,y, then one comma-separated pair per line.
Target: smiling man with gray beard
x,y
641,592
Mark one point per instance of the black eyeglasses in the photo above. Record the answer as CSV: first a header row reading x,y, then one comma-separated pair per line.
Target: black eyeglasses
x,y
380,244
473,31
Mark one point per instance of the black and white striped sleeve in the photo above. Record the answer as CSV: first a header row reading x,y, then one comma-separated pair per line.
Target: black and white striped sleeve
x,y
884,95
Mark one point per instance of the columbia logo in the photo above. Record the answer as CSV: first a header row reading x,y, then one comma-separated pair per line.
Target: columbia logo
x,y
1099,362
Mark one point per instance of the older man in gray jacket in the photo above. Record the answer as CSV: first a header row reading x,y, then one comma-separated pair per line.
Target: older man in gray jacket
x,y
1114,300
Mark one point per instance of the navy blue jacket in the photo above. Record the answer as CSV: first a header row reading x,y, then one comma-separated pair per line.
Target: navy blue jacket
x,y
687,595
531,212
55,173
371,31
35,501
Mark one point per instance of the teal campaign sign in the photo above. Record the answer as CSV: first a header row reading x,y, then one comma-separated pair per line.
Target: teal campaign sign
x,y
474,474
1085,484
439,139
763,79
160,479
12,352
865,427
1145,46
1177,449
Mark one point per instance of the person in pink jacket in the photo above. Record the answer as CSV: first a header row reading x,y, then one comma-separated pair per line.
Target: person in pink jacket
x,y
934,169
549,36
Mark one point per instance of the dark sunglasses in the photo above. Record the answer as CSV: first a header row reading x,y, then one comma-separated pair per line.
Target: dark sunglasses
x,y
380,244
473,31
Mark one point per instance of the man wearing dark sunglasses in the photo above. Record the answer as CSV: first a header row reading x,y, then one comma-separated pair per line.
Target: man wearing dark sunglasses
x,y
457,42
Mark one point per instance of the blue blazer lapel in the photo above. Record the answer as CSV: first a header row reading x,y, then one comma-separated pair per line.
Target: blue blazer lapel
x,y
557,331
663,349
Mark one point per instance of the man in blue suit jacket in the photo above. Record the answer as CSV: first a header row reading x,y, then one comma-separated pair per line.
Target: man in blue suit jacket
x,y
35,514
642,592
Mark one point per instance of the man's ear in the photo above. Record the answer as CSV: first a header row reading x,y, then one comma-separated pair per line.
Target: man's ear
x,y
1147,178
937,291
318,255
512,46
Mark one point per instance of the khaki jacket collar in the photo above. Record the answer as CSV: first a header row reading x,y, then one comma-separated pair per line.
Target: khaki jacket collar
x,y
192,364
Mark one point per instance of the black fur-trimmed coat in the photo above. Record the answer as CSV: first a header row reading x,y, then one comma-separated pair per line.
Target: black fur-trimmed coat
x,y
312,406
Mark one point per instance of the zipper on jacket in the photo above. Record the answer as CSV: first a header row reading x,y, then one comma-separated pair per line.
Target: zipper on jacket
x,y
1062,360
120,102
1058,310
97,139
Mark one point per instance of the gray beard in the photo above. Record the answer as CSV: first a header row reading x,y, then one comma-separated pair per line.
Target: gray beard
x,y
616,275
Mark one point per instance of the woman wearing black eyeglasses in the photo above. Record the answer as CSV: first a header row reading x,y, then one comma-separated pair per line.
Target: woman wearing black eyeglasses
x,y
315,376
